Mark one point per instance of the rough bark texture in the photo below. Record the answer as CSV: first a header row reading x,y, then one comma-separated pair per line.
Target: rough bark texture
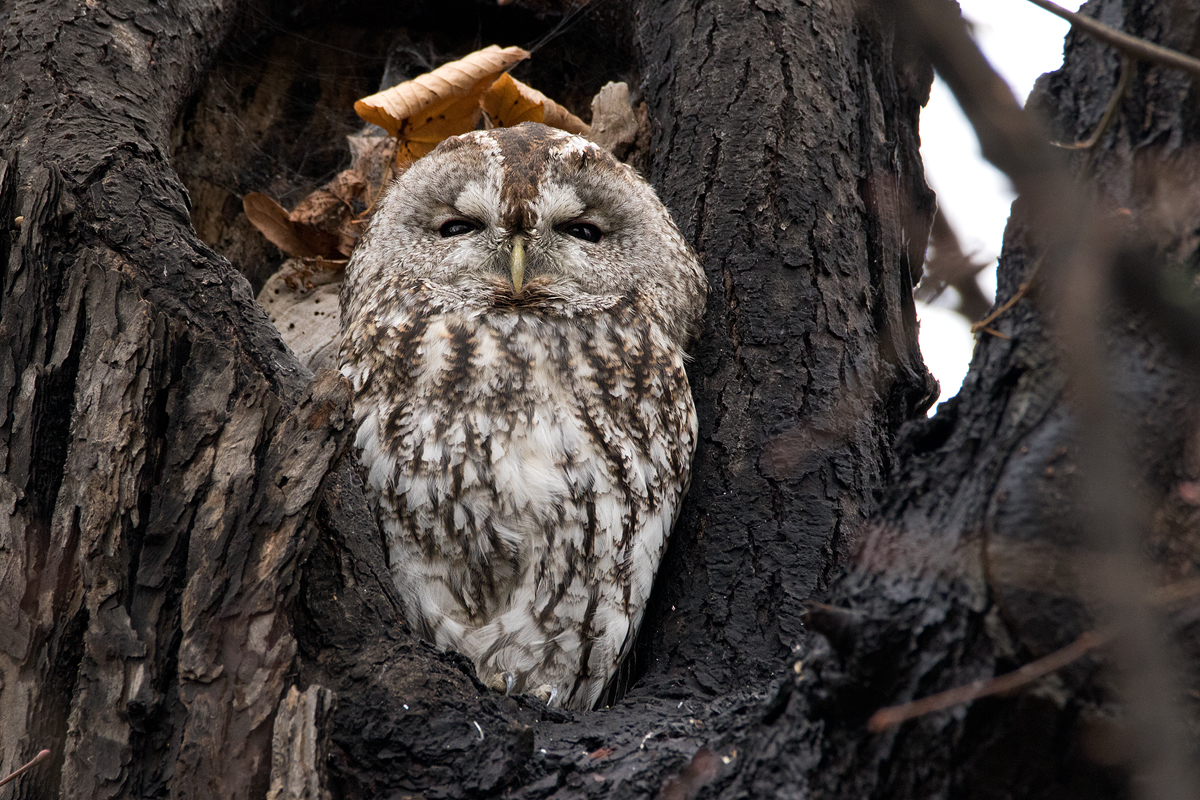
x,y
786,144
976,563
193,596
162,454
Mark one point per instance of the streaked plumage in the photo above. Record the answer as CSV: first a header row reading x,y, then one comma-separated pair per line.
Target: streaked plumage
x,y
525,422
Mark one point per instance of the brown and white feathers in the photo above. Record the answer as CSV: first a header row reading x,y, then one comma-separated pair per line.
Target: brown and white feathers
x,y
515,325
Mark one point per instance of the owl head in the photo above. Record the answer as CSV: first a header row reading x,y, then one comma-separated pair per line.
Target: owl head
x,y
525,218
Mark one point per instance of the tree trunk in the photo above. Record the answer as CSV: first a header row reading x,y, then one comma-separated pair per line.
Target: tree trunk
x,y
194,600
786,145
978,560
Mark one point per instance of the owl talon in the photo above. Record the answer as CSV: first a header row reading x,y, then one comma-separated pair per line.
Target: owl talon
x,y
546,693
503,682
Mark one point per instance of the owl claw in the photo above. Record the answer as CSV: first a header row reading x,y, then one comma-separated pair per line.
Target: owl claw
x,y
510,680
546,693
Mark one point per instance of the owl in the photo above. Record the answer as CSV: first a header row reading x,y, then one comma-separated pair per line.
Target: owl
x,y
515,326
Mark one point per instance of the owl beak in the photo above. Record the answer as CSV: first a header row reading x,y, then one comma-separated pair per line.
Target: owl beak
x,y
518,262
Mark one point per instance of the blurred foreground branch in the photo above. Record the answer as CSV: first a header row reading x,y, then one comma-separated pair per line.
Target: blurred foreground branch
x,y
1078,257
949,267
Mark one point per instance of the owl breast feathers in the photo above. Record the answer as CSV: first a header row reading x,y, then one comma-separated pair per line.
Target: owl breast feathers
x,y
515,326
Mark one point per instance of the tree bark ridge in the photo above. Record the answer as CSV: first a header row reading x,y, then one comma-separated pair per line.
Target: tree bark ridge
x,y
809,360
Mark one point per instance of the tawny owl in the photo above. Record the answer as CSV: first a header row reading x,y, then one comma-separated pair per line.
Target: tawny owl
x,y
515,323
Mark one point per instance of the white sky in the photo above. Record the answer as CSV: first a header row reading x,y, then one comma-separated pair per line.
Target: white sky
x,y
1022,42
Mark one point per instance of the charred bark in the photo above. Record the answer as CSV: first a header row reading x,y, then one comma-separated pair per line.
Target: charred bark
x,y
786,144
979,560
193,596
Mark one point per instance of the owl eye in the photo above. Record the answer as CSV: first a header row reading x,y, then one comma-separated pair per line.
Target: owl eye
x,y
583,230
456,227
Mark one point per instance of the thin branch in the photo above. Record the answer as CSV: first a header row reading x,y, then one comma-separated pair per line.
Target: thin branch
x,y
41,756
985,323
1110,111
1130,45
894,715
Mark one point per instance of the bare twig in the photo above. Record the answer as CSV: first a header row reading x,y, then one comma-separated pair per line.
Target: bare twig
x,y
894,715
1110,111
41,756
1022,290
985,323
1119,40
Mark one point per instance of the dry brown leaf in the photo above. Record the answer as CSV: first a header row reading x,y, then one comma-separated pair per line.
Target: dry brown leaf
x,y
274,222
439,104
508,102
337,208
558,117
372,157
328,222
296,238
507,105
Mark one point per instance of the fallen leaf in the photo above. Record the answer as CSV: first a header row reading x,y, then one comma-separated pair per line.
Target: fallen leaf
x,y
326,224
558,117
508,103
373,157
422,112
337,208
274,222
